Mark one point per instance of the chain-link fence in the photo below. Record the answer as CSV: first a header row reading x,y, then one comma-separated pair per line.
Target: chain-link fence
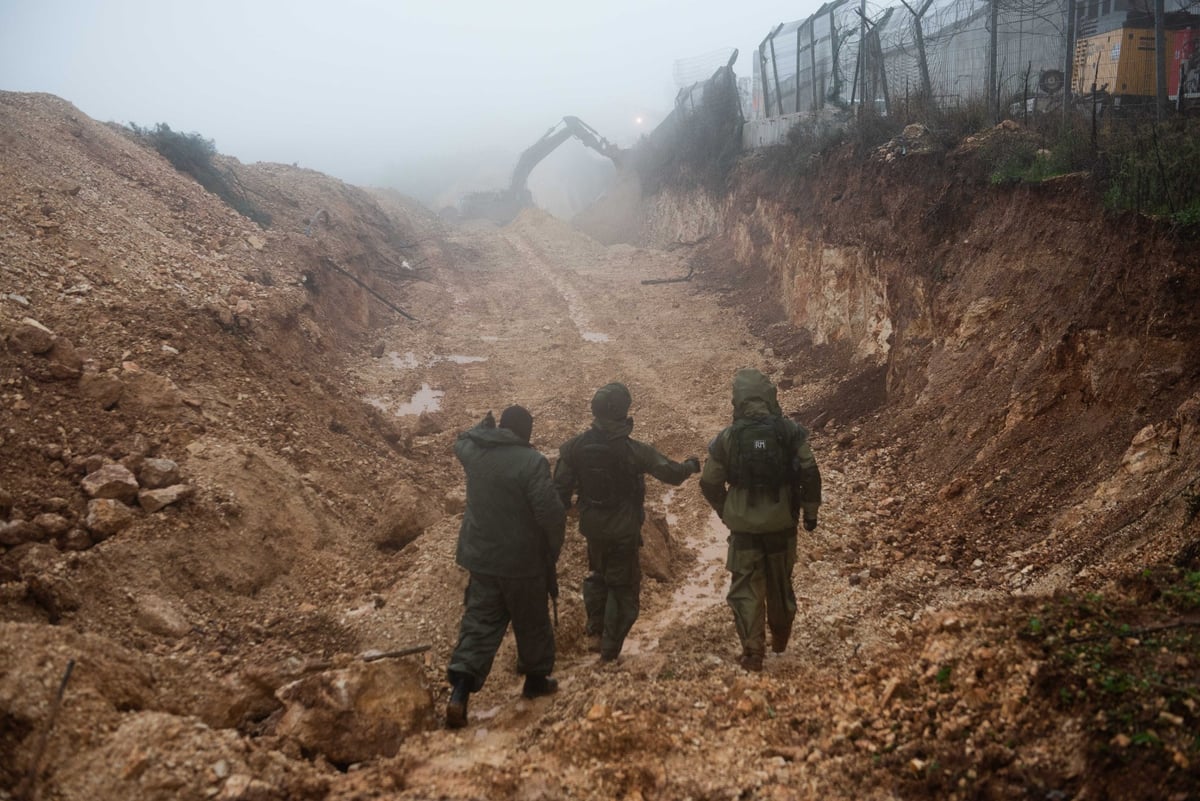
x,y
1013,54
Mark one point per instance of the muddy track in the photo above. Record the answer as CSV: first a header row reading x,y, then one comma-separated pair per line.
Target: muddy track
x,y
542,318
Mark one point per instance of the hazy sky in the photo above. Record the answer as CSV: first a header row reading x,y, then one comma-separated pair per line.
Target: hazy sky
x,y
348,86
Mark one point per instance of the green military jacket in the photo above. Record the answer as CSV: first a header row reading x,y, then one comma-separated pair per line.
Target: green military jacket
x,y
514,523
754,396
624,520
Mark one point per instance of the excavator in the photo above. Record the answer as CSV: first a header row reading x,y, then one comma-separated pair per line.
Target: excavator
x,y
503,206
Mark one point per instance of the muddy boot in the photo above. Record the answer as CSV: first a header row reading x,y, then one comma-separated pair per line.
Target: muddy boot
x,y
537,685
751,662
593,643
456,709
779,640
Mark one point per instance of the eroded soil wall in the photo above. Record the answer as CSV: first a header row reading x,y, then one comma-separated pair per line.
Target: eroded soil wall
x,y
1040,355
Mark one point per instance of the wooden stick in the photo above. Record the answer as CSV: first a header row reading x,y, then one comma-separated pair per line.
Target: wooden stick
x,y
28,791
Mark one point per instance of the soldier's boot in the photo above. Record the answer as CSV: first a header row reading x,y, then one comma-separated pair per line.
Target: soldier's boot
x,y
751,662
456,709
779,639
593,643
537,685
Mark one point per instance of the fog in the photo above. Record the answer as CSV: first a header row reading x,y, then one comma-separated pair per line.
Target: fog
x,y
432,98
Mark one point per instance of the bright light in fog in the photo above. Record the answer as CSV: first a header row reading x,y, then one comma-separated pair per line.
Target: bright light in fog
x,y
637,120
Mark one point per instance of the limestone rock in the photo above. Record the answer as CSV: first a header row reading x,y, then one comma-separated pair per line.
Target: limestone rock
x,y
31,337
357,713
149,391
18,531
158,473
104,388
158,616
154,500
65,361
106,517
111,481
75,540
52,525
656,549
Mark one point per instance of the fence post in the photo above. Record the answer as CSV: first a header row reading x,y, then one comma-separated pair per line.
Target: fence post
x,y
993,92
1069,60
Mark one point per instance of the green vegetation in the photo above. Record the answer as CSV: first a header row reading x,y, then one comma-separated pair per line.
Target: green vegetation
x,y
193,154
1139,165
1130,669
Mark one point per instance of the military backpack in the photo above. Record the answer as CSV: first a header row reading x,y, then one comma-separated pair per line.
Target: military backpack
x,y
760,456
606,475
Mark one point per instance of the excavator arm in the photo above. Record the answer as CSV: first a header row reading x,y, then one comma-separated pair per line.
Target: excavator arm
x,y
502,206
561,132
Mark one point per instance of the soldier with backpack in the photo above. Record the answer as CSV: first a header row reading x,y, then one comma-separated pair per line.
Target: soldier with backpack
x,y
607,468
762,479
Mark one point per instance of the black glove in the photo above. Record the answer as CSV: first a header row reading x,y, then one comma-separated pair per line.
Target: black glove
x,y
693,462
810,523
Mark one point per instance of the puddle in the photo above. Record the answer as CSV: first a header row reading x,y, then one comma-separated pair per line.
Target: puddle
x,y
426,399
703,589
405,362
410,361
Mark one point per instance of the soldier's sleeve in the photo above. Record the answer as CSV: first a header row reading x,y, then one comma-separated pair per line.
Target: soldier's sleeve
x,y
649,460
806,486
548,510
713,477
565,481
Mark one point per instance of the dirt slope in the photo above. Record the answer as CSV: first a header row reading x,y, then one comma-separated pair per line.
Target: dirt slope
x,y
312,425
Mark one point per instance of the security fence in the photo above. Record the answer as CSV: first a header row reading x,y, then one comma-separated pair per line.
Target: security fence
x,y
1012,54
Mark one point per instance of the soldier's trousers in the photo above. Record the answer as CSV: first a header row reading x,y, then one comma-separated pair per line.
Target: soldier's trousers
x,y
491,603
612,590
760,587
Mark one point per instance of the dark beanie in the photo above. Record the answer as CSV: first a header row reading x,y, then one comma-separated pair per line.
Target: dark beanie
x,y
518,420
612,402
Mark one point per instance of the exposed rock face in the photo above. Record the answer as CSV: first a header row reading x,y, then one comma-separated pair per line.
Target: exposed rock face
x,y
360,712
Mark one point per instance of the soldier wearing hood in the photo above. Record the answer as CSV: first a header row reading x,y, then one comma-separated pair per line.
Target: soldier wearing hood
x,y
762,479
607,468
511,534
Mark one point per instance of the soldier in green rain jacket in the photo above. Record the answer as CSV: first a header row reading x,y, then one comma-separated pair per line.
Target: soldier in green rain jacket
x,y
511,534
607,468
762,479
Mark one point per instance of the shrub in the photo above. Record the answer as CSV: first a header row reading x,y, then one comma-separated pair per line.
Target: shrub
x,y
193,154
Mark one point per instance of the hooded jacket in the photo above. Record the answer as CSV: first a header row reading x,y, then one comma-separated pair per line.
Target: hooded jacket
x,y
755,396
623,521
514,523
